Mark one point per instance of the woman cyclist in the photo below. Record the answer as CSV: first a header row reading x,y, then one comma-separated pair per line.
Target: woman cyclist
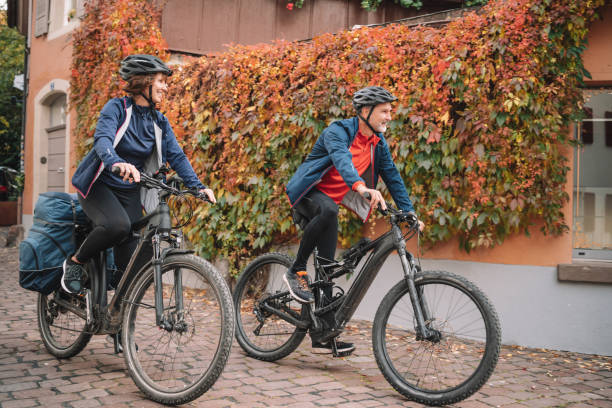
x,y
133,136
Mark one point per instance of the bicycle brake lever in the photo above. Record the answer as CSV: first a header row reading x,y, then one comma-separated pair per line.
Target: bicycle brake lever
x,y
412,219
200,195
367,196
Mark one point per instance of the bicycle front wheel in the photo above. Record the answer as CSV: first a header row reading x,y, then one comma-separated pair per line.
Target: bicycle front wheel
x,y
62,324
259,297
460,356
179,362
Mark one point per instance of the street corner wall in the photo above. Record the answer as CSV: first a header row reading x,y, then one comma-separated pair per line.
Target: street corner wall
x,y
49,69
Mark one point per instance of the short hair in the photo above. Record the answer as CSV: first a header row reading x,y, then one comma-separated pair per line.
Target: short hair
x,y
138,84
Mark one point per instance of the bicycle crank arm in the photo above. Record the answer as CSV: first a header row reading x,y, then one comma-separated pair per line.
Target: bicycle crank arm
x,y
302,324
77,311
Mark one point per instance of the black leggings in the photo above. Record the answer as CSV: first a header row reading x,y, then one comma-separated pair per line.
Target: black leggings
x,y
112,212
320,232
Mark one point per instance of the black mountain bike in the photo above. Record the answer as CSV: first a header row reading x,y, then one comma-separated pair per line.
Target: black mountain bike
x,y
172,310
436,336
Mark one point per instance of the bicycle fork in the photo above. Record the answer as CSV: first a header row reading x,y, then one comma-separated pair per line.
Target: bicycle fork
x,y
419,305
163,320
160,321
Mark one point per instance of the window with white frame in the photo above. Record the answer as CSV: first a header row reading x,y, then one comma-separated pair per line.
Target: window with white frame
x,y
57,17
592,195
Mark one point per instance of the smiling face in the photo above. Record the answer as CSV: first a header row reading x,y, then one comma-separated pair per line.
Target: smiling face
x,y
159,87
379,119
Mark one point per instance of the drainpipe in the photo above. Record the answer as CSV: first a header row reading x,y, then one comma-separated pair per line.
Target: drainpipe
x,y
26,88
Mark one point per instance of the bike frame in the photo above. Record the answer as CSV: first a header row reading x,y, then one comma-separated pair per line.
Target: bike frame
x,y
105,318
381,248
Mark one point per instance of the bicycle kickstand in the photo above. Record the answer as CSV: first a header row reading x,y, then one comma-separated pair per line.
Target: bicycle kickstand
x,y
89,308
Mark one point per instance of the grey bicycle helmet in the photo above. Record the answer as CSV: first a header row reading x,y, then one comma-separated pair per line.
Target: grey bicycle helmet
x,y
371,96
142,64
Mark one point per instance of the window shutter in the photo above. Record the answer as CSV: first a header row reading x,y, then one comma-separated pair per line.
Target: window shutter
x,y
80,8
42,18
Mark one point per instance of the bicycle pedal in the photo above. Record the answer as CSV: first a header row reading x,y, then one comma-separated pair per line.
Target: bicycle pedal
x,y
342,353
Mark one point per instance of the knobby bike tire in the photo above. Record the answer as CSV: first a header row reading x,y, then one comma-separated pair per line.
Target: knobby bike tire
x,y
278,338
63,333
469,344
177,366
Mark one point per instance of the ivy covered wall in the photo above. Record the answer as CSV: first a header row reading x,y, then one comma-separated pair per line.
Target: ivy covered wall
x,y
484,105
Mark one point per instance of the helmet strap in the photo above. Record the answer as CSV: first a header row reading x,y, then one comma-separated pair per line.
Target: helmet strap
x,y
367,120
148,98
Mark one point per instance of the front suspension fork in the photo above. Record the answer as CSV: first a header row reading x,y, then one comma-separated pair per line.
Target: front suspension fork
x,y
421,311
161,320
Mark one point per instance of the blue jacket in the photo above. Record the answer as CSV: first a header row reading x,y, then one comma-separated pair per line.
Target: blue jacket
x,y
332,150
115,120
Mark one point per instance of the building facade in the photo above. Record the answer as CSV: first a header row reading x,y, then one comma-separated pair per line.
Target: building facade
x,y
552,292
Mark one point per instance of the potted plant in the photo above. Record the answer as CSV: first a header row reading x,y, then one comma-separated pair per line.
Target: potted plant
x,y
11,185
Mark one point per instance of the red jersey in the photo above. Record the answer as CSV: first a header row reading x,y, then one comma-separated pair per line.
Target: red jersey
x,y
332,184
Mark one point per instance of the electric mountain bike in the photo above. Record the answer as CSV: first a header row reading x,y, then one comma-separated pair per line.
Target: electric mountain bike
x,y
171,314
436,336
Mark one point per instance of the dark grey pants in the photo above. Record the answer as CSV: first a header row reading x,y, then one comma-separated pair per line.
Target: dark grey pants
x,y
321,232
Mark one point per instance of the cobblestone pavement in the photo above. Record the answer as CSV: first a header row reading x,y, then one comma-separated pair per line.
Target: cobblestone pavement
x,y
30,377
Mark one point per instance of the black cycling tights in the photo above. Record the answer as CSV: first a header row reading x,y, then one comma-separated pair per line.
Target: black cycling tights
x,y
112,212
320,232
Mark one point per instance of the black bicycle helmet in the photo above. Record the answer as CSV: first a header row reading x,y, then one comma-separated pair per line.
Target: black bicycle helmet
x,y
371,96
142,64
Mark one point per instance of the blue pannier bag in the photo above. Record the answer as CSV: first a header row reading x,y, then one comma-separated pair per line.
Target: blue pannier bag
x,y
49,242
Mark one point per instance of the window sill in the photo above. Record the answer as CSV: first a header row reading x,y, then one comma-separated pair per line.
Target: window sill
x,y
63,30
590,272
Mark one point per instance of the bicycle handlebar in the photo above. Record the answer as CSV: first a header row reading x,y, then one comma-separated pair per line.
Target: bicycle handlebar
x,y
407,216
150,182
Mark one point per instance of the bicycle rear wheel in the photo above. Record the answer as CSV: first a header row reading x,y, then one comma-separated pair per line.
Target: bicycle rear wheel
x,y
463,353
261,333
62,324
177,364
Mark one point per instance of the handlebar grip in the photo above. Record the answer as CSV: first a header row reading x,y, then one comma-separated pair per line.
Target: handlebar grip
x,y
368,196
202,196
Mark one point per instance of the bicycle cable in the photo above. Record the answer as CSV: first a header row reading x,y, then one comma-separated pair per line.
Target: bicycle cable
x,y
418,248
178,201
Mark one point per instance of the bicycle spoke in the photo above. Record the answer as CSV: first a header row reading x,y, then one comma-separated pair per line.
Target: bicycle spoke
x,y
261,332
178,356
443,364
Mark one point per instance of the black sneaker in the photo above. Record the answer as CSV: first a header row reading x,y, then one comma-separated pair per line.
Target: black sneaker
x,y
298,286
74,277
342,347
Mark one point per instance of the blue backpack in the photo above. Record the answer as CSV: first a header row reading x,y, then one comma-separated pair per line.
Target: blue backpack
x,y
49,242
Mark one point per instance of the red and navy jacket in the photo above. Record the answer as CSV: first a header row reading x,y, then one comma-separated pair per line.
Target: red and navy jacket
x,y
332,150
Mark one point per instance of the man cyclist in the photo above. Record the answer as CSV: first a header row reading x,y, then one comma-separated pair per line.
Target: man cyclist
x,y
342,167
